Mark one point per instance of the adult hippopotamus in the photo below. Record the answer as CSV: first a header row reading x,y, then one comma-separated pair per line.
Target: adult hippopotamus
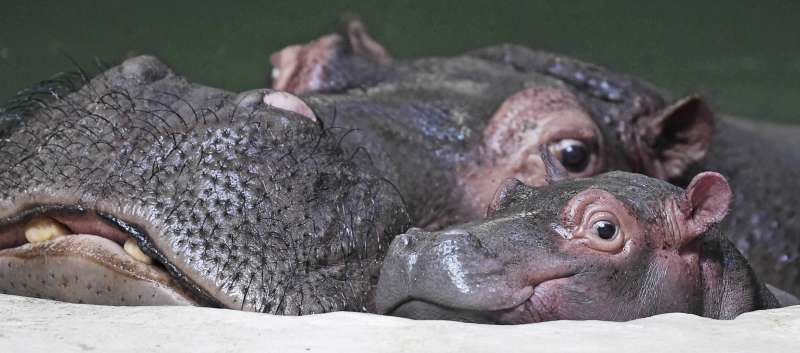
x,y
144,188
593,120
618,246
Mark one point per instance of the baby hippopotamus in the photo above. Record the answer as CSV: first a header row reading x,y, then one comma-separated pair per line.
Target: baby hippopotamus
x,y
618,246
498,105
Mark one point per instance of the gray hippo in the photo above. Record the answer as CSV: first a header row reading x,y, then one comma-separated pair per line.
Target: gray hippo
x,y
594,120
618,246
143,188
138,187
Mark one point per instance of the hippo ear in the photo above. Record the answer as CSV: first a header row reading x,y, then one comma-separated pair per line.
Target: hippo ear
x,y
327,63
504,196
361,43
675,137
707,200
290,102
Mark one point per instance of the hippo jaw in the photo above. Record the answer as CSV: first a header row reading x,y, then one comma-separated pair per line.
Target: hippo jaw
x,y
73,254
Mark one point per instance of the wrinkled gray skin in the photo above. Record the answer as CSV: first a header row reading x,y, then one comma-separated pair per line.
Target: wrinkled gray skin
x,y
256,208
526,262
243,205
762,163
760,160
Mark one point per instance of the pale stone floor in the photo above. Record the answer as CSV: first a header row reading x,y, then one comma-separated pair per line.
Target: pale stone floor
x,y
34,325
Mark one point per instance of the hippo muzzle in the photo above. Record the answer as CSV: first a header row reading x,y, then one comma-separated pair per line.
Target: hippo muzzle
x,y
451,275
615,247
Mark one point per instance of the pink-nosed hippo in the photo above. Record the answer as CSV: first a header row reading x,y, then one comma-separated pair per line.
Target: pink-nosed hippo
x,y
593,119
618,246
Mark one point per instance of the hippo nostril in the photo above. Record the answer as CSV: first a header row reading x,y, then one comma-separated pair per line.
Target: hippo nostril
x,y
403,241
456,233
414,231
459,236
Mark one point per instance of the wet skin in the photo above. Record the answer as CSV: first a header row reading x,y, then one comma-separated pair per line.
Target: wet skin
x,y
155,190
282,203
633,126
618,246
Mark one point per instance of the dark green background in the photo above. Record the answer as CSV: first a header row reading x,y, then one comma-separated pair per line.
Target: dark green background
x,y
744,55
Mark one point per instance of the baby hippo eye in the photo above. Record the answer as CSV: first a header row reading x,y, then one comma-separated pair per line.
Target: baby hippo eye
x,y
605,230
573,154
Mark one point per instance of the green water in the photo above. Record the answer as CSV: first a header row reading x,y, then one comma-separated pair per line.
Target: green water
x,y
744,56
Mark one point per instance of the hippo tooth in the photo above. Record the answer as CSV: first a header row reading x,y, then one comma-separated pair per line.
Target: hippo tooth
x,y
43,229
276,72
132,248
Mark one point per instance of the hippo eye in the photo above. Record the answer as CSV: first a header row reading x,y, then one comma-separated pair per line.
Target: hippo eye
x,y
573,154
605,230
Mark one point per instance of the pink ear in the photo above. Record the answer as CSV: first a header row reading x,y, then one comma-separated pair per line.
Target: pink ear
x,y
709,197
290,102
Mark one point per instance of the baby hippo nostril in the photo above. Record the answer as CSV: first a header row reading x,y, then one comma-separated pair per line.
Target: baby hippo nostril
x,y
403,241
459,236
456,233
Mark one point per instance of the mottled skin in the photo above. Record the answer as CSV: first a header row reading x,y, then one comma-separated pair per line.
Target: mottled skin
x,y
762,162
247,206
277,210
258,208
644,130
538,256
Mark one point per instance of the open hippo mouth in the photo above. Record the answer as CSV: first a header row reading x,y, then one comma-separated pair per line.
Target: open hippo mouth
x,y
72,254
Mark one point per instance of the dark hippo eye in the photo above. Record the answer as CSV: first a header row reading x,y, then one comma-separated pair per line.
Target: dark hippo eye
x,y
573,154
605,229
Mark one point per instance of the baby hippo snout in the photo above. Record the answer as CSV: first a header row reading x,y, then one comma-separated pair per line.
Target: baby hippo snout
x,y
450,268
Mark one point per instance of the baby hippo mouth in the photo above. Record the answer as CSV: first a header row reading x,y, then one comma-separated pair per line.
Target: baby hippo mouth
x,y
81,256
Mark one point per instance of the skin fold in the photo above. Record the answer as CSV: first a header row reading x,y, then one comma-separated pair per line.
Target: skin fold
x,y
641,129
618,246
285,200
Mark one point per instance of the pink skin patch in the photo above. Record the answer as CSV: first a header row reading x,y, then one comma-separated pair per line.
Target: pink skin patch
x,y
302,68
592,206
510,146
673,270
290,102
299,68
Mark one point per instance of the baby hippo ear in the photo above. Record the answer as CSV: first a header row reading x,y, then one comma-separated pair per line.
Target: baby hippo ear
x,y
504,196
675,137
708,198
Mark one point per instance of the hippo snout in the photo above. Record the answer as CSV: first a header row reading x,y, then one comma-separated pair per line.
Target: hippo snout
x,y
446,270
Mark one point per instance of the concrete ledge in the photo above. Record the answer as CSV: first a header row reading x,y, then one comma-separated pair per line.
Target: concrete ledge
x,y
34,325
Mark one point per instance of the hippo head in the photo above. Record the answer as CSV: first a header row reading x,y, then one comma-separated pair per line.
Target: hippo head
x,y
142,188
617,246
513,101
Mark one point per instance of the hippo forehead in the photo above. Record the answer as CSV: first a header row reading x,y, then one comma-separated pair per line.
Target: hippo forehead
x,y
641,194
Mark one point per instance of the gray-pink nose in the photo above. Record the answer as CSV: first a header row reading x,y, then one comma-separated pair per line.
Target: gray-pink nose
x,y
458,240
